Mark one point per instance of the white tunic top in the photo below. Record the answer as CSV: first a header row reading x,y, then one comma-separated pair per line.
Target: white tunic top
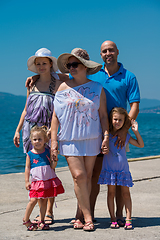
x,y
77,111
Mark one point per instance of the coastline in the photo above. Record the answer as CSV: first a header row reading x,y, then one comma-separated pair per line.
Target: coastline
x,y
129,160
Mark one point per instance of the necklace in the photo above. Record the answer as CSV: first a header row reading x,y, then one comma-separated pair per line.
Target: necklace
x,y
52,85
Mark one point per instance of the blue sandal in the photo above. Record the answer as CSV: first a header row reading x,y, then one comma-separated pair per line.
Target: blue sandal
x,y
121,222
128,225
114,225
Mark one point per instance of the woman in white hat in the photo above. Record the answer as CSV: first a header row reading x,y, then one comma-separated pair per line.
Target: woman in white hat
x,y
80,109
39,104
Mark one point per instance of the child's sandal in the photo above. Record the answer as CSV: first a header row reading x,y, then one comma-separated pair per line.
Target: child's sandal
x,y
43,226
114,225
31,227
88,226
128,225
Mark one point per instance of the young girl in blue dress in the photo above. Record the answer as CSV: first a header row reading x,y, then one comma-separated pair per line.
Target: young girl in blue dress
x,y
44,182
115,169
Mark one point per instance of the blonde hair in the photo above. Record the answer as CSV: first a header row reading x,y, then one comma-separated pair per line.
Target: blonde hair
x,y
120,111
43,129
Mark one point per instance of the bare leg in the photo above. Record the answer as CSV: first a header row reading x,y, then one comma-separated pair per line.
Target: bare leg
x,y
119,203
49,211
79,214
29,210
127,201
81,169
43,208
110,201
95,187
128,206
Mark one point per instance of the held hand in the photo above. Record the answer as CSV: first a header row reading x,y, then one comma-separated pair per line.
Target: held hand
x,y
105,146
54,155
28,185
54,151
121,138
53,164
134,125
16,139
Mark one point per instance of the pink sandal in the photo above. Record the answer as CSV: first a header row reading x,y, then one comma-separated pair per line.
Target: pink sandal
x,y
31,227
43,226
89,226
128,225
114,225
77,224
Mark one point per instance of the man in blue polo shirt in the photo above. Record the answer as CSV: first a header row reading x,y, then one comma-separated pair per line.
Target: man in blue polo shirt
x,y
120,86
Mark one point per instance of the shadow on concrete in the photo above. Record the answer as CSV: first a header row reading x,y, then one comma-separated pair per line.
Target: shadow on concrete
x,y
139,222
146,221
103,223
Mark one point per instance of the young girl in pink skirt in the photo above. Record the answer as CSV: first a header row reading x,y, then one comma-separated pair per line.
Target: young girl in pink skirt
x,y
44,182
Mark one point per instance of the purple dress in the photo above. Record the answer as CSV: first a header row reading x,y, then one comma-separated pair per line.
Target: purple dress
x,y
39,112
115,168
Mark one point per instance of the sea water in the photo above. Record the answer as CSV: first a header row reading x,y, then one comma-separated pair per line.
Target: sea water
x,y
12,159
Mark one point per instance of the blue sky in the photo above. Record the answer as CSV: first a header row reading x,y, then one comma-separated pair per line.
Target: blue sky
x,y
60,26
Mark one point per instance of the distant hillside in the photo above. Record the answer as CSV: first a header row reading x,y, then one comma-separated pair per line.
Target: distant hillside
x,y
151,110
10,103
149,103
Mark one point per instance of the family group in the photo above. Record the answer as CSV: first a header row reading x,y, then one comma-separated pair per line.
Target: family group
x,y
77,108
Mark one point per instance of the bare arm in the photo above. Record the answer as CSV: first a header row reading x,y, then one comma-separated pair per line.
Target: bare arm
x,y
16,138
104,122
54,142
138,142
31,80
122,133
27,173
63,77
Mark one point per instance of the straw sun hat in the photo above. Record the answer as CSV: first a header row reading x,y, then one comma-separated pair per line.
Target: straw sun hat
x,y
42,52
82,56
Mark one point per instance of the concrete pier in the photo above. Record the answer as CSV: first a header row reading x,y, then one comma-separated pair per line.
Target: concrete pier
x,y
145,199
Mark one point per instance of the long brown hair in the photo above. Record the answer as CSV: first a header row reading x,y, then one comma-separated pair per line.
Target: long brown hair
x,y
120,111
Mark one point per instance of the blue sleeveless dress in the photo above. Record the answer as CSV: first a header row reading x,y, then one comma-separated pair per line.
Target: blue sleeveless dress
x,y
115,168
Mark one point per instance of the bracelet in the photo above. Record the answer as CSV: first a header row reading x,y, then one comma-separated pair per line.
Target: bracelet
x,y
106,134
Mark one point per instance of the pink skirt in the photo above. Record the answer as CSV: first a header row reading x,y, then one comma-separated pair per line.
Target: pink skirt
x,y
46,189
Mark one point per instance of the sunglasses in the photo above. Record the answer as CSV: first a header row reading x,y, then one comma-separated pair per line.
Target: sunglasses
x,y
73,64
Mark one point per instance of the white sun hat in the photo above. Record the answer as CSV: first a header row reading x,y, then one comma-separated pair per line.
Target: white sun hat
x,y
42,52
82,56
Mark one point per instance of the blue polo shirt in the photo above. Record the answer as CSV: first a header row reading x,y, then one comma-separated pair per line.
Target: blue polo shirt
x,y
119,88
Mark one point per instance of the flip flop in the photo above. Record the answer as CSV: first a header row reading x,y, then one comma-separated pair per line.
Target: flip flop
x,y
121,222
88,226
78,224
35,220
128,225
114,225
72,221
49,222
